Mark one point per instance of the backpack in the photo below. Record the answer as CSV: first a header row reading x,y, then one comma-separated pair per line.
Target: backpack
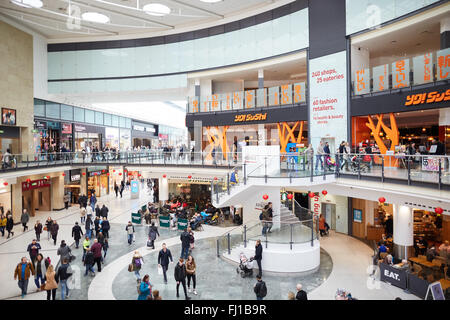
x,y
263,289
261,216
137,262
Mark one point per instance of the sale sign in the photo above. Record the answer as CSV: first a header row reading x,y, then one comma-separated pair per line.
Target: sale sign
x,y
328,102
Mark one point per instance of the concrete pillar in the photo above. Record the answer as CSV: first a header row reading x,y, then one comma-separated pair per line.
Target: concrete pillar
x,y
197,88
163,189
444,117
16,204
83,182
403,232
57,192
445,32
260,78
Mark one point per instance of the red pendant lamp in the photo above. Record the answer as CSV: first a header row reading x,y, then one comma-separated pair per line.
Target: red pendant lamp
x,y
265,197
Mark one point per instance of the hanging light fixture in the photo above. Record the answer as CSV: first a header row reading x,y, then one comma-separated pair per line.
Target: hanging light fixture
x,y
95,17
28,3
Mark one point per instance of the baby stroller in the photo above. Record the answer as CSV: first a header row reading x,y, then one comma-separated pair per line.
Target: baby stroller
x,y
245,266
357,161
330,163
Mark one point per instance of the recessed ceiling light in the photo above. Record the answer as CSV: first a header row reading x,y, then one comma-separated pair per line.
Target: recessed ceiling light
x,y
156,9
95,17
210,1
28,3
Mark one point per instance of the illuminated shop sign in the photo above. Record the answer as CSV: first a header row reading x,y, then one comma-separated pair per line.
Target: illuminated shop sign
x,y
425,98
250,117
35,184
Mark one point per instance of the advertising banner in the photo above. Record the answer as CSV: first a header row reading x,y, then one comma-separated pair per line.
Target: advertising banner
x,y
380,76
400,74
430,164
328,99
394,276
423,68
362,81
443,64
164,221
182,224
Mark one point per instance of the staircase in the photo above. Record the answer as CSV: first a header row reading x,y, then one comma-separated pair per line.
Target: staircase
x,y
286,215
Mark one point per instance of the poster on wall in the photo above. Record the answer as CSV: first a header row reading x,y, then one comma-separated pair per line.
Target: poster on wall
x,y
328,99
430,164
357,215
9,116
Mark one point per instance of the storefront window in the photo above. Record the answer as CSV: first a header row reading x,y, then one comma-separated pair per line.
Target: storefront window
x,y
122,123
112,137
39,107
107,119
125,139
115,121
98,117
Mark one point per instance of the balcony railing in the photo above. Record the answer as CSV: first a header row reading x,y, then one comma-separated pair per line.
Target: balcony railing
x,y
403,73
288,94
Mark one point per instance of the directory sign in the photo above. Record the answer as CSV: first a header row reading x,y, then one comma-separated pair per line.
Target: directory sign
x,y
134,189
328,98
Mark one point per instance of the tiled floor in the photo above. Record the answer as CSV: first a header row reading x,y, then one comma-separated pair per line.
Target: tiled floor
x,y
217,279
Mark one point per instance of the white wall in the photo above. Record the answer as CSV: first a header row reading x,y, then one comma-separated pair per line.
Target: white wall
x,y
227,86
341,209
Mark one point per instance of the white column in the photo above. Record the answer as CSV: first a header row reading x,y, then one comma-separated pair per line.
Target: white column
x,y
445,24
403,231
444,117
260,78
163,189
262,137
360,58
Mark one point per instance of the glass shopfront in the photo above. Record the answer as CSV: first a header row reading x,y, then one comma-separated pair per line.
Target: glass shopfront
x,y
112,137
116,175
98,181
72,184
88,136
10,139
125,139
144,134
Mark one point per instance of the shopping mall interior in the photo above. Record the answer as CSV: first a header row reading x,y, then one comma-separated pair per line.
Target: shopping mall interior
x,y
266,140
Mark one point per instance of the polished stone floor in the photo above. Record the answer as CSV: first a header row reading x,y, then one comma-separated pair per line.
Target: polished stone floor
x,y
217,279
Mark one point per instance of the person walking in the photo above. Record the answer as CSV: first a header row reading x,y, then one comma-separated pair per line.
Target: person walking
x,y
63,273
185,244
48,227
153,232
105,227
260,288
116,188
258,256
66,201
54,231
96,249
104,211
130,232
105,247
319,155
40,267
192,240
97,211
322,228
82,215
136,262
122,186
3,221
93,201
145,288
190,273
9,224
38,230
180,277
86,244
163,260
24,218
89,262
64,251
50,283
301,295
97,225
88,226
33,250
76,234
22,272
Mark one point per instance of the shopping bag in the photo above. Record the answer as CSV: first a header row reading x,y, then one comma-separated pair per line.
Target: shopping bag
x,y
160,270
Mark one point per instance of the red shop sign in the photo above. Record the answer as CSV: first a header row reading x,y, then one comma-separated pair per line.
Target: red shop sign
x,y
35,184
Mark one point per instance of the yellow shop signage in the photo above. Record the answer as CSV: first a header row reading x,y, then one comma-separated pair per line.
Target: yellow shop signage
x,y
250,117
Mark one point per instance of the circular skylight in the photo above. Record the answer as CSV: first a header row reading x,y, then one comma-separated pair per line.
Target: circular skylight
x,y
95,17
210,1
28,3
156,9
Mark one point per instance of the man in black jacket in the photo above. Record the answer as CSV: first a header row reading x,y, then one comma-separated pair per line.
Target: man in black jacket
x,y
76,234
97,211
180,277
89,262
104,211
260,288
105,227
63,273
163,260
185,243
301,295
258,256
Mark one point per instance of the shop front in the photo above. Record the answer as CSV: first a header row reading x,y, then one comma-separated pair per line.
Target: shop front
x,y
144,134
125,139
88,136
36,195
72,184
112,137
66,136
10,139
369,222
116,176
98,181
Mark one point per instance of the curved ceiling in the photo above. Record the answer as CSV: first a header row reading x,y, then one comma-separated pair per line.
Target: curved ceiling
x,y
127,17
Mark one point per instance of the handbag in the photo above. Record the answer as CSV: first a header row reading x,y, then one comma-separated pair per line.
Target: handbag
x,y
130,267
160,270
45,228
149,243
71,257
43,286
